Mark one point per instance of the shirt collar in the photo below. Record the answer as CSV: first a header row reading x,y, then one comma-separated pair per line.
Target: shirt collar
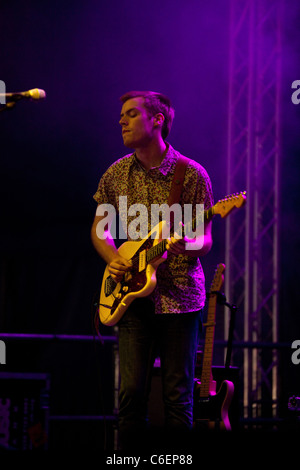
x,y
166,165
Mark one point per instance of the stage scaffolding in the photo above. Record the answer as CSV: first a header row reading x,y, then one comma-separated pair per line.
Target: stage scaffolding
x,y
252,274
251,251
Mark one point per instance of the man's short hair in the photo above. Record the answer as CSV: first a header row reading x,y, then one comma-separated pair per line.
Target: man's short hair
x,y
155,103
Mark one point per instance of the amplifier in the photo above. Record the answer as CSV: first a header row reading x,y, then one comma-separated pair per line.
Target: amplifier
x,y
24,410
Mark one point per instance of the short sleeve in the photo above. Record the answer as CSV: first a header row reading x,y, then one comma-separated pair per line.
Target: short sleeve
x,y
205,187
105,193
198,187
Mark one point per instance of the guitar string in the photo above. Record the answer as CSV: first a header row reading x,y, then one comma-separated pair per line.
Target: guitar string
x,y
159,248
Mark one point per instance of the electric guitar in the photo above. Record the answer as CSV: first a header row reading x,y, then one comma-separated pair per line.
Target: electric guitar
x,y
211,407
146,255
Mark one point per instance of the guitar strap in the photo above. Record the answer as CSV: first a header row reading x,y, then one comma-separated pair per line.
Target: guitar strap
x,y
178,179
177,183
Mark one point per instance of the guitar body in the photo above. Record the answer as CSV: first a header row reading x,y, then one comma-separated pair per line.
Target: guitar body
x,y
212,412
140,281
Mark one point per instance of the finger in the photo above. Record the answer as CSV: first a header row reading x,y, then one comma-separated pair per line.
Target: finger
x,y
119,265
171,247
116,278
116,275
177,236
169,243
176,246
124,262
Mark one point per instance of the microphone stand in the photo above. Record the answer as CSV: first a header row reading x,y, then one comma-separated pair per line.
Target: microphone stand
x,y
12,103
8,106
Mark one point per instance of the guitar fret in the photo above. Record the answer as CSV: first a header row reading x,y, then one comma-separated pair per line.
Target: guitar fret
x,y
156,250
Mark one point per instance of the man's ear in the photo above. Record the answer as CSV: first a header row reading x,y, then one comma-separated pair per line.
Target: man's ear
x,y
159,119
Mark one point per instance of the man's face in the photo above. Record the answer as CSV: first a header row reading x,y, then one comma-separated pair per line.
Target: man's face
x,y
137,125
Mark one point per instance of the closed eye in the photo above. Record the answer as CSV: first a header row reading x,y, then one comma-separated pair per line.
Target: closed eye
x,y
132,112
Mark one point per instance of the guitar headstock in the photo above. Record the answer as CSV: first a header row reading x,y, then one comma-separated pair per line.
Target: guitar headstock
x,y
218,278
224,206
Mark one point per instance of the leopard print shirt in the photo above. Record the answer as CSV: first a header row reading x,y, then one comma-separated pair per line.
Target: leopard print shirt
x,y
180,279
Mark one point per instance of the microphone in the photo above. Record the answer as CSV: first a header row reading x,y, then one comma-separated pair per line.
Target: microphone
x,y
34,94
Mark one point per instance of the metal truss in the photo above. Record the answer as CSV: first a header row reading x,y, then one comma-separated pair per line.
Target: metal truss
x,y
252,274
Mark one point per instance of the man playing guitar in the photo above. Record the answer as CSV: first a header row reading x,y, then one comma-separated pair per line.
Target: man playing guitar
x,y
166,322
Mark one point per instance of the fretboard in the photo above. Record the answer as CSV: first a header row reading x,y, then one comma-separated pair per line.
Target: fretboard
x,y
208,347
160,248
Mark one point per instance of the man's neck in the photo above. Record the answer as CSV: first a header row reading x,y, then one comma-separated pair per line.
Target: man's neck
x,y
152,155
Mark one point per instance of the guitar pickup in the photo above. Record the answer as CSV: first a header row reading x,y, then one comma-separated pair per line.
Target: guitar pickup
x,y
142,260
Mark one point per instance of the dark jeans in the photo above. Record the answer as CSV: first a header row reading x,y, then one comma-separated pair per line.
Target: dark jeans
x,y
142,337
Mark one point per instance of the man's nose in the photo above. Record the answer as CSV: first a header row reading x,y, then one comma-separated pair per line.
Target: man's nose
x,y
123,121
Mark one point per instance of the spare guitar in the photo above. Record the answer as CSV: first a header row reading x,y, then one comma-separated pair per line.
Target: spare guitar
x,y
211,407
146,255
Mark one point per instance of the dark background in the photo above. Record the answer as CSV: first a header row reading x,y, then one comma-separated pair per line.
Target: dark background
x,y
86,54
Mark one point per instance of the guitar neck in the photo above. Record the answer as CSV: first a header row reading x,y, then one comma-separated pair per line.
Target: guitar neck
x,y
223,207
160,248
208,347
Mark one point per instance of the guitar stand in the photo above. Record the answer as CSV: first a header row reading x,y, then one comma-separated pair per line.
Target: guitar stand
x,y
213,396
221,300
